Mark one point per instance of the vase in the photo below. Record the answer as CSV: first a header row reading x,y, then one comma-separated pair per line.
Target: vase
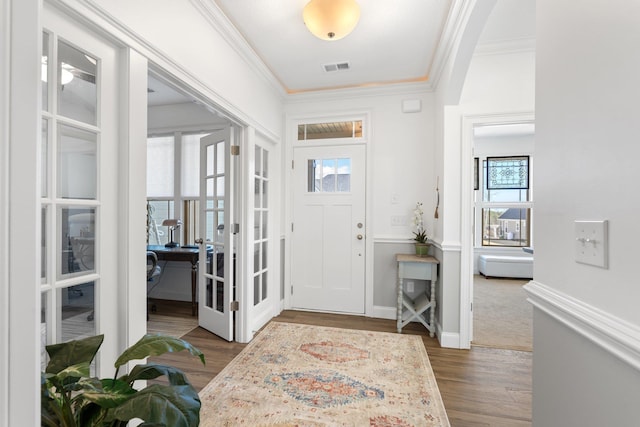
x,y
422,249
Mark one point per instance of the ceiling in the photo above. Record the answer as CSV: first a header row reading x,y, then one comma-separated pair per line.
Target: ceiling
x,y
390,44
394,41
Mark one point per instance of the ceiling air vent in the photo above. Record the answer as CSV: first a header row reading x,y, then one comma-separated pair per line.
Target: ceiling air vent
x,y
340,66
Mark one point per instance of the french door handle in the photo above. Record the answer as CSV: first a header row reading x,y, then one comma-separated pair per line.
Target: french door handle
x,y
199,241
359,236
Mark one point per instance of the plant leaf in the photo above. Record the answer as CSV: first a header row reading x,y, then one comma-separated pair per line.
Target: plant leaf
x,y
72,353
155,345
79,370
151,371
111,394
175,406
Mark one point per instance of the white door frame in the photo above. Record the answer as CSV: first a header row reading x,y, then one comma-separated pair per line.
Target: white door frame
x,y
291,135
20,211
467,244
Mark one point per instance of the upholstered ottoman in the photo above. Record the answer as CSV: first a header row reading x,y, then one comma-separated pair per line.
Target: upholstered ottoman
x,y
506,266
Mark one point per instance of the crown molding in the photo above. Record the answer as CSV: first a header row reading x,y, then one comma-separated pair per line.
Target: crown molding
x,y
220,23
458,16
504,47
361,92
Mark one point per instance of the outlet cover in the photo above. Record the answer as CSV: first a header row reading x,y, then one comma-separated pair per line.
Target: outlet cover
x,y
592,243
398,220
410,287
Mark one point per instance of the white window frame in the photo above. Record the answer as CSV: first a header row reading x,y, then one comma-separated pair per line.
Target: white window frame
x,y
481,204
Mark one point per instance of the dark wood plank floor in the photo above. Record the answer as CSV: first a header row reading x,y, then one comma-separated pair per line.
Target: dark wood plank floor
x,y
479,387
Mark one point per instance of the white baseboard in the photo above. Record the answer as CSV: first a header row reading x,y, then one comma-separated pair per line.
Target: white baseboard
x,y
614,335
382,312
448,339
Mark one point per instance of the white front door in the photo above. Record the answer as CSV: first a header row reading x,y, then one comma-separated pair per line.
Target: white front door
x,y
328,239
217,254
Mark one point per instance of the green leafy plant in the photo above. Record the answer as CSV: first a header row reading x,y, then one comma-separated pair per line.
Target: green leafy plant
x,y
421,237
71,398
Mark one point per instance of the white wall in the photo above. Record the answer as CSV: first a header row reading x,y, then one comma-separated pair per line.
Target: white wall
x,y
200,46
499,82
586,168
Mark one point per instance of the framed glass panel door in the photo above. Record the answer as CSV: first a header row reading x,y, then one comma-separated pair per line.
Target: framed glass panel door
x,y
79,185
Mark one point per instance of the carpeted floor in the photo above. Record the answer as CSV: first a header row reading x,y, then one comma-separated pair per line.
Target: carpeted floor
x,y
294,374
502,317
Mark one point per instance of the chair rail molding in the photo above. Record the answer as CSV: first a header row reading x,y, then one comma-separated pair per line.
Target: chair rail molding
x,y
614,335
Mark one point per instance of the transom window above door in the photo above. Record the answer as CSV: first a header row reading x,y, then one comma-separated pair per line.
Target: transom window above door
x,y
330,130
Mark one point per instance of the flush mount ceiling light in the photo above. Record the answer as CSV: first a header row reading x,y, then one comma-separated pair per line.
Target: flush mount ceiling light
x,y
331,19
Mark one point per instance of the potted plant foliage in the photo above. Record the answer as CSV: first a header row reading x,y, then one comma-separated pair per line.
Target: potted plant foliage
x,y
71,398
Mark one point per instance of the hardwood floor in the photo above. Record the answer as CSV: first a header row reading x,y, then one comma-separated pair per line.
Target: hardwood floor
x,y
479,387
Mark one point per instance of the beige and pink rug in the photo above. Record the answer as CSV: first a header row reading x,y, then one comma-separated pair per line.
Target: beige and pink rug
x,y
301,375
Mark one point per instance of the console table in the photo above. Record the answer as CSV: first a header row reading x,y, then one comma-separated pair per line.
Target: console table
x,y
419,268
181,254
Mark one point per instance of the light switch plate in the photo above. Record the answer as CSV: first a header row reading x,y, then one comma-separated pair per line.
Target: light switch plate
x,y
592,243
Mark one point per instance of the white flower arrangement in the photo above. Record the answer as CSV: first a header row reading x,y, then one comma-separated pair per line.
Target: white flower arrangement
x,y
418,223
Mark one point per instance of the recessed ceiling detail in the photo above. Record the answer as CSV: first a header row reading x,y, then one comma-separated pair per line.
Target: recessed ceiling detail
x,y
391,43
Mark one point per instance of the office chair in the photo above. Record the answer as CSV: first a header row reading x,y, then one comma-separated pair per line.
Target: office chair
x,y
153,271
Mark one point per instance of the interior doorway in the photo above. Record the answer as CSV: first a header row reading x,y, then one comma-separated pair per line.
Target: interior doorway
x,y
185,208
498,130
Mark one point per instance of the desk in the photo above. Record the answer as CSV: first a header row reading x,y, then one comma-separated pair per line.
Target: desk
x,y
181,254
419,268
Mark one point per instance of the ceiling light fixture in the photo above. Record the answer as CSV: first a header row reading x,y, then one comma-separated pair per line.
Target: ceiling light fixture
x,y
331,19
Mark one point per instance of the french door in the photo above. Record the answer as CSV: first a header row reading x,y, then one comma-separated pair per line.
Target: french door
x,y
217,253
328,239
79,271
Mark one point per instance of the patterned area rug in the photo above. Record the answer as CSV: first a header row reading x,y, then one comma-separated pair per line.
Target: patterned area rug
x,y
300,375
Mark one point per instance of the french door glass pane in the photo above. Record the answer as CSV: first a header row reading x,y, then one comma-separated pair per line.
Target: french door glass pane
x,y
77,163
78,310
264,225
77,89
210,159
220,149
44,191
77,240
211,226
257,193
43,246
256,290
45,72
265,163
44,329
265,186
